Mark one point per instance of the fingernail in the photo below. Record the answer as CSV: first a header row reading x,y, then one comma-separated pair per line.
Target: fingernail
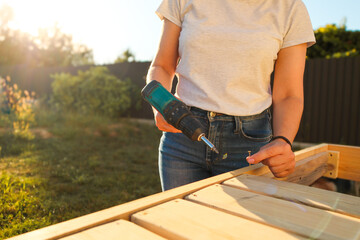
x,y
250,160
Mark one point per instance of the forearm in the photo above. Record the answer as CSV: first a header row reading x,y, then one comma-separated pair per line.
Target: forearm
x,y
288,92
158,73
286,117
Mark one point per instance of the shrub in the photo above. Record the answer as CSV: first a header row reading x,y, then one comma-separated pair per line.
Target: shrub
x,y
16,108
95,91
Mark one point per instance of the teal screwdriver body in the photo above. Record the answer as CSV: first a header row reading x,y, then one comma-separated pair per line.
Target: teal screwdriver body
x,y
175,112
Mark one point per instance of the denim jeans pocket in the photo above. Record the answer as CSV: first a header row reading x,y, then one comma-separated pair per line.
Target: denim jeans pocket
x,y
257,129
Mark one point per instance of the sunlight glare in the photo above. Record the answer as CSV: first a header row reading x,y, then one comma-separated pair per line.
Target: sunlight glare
x,y
29,16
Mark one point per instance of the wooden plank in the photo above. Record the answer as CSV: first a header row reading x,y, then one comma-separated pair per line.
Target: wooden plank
x,y
289,216
333,165
120,229
349,164
306,154
181,219
124,211
323,199
307,170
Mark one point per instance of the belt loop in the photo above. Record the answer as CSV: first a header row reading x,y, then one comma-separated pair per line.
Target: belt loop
x,y
210,118
237,124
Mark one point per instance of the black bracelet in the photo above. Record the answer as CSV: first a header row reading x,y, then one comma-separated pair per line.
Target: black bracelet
x,y
283,138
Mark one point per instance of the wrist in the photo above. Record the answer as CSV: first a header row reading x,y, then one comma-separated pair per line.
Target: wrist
x,y
281,138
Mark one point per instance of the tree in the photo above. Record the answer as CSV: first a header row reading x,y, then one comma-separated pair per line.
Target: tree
x,y
50,48
126,56
333,42
14,45
55,48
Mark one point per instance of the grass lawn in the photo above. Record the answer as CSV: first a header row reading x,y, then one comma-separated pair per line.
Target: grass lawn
x,y
81,165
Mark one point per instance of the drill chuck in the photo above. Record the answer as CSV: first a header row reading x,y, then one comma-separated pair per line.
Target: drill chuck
x,y
175,112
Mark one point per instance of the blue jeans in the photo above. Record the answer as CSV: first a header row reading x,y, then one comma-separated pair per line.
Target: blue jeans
x,y
182,161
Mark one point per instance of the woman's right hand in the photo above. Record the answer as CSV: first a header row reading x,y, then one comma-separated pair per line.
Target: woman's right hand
x,y
162,125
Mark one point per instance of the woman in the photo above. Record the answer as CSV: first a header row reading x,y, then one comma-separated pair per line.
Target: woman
x,y
223,53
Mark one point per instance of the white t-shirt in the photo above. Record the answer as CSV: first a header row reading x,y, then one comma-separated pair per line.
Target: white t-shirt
x,y
228,48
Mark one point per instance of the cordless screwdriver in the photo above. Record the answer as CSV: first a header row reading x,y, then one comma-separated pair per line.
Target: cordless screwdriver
x,y
175,112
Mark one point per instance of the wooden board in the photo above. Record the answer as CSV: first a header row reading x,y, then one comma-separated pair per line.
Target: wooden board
x,y
181,219
349,164
311,151
300,158
121,229
124,211
333,165
307,170
298,218
333,201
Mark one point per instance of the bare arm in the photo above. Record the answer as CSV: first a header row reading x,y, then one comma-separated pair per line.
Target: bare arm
x,y
288,99
288,107
163,66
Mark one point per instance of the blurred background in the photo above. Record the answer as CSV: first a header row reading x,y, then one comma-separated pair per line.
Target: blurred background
x,y
75,135
110,27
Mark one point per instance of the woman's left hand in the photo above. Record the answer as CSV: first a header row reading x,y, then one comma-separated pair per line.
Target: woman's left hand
x,y
278,156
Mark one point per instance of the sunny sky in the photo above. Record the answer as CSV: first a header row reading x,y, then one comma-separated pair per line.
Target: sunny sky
x,y
109,27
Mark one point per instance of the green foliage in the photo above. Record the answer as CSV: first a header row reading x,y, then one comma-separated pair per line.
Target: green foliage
x,y
50,48
335,42
21,208
86,165
95,91
17,106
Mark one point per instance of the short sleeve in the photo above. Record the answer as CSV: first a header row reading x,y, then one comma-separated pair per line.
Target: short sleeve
x,y
299,27
170,9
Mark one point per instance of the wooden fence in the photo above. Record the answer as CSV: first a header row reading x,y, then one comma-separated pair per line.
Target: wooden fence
x,y
332,89
332,101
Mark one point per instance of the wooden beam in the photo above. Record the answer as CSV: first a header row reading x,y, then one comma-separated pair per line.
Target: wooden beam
x,y
314,197
120,229
301,157
307,152
286,215
349,163
181,219
333,165
307,170
124,211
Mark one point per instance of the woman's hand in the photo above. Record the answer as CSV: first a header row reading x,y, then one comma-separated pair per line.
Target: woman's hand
x,y
162,125
278,156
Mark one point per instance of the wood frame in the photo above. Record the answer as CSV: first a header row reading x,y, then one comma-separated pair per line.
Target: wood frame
x,y
311,163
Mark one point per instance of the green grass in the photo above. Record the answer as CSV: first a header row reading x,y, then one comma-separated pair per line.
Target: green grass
x,y
86,164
